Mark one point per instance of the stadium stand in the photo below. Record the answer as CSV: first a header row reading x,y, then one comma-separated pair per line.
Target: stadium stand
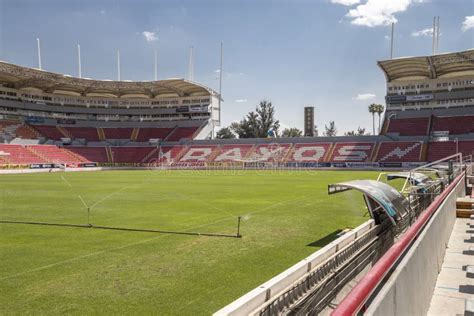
x,y
55,154
409,126
439,150
180,133
200,154
117,133
271,152
144,134
166,154
90,134
352,152
312,152
229,153
129,154
18,154
454,124
50,132
399,152
90,154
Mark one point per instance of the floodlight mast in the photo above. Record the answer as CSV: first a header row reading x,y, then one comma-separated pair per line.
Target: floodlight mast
x,y
79,66
39,53
156,65
118,65
391,41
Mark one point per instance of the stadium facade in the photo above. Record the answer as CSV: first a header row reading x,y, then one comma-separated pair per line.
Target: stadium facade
x,y
49,118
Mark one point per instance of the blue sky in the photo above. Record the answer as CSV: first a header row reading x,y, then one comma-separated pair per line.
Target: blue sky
x,y
292,52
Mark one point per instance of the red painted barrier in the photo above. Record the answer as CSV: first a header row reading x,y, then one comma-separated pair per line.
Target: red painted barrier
x,y
356,298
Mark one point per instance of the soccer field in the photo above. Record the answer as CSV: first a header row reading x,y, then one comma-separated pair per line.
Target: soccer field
x,y
53,269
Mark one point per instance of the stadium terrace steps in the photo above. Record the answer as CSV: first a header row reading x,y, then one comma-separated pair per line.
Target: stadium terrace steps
x,y
438,150
90,134
90,154
117,133
229,153
18,154
454,124
409,126
48,131
310,152
200,153
399,152
352,152
54,154
25,131
180,133
129,154
64,132
101,133
144,134
134,135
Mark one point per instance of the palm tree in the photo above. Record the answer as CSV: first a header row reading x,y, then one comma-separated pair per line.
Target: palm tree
x,y
379,110
373,110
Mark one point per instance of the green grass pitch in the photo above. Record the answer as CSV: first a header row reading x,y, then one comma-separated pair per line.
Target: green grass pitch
x,y
56,270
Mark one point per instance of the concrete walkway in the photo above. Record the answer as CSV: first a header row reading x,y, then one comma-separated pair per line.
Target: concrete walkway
x,y
453,286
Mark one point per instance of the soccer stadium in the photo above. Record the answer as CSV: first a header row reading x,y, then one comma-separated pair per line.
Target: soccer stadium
x,y
117,198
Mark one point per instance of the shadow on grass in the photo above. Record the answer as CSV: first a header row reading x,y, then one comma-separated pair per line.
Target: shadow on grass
x,y
325,240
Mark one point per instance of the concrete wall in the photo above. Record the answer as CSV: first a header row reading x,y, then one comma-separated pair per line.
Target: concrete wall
x,y
278,285
410,287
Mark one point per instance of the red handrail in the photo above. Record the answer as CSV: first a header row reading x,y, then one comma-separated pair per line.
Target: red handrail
x,y
354,301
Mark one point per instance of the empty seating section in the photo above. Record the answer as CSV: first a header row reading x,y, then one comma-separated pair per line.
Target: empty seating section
x,y
55,154
18,154
439,150
129,154
271,152
88,133
90,154
454,124
118,133
199,153
399,152
352,152
228,153
182,132
26,132
49,131
409,126
166,154
144,134
309,152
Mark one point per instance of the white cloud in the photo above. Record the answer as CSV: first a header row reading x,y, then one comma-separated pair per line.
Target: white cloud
x,y
240,101
425,32
102,12
346,2
468,23
379,12
150,36
365,96
217,71
387,37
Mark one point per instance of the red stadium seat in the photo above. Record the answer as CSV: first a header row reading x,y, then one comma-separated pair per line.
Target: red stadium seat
x,y
409,126
182,132
399,152
454,124
352,152
18,154
312,152
90,154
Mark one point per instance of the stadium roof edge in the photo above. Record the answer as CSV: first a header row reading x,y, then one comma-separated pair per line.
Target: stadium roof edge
x,y
428,67
18,77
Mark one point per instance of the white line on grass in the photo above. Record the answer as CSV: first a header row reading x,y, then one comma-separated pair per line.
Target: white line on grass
x,y
67,182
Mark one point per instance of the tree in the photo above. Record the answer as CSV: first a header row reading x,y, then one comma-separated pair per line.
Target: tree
x,y
373,110
225,133
257,124
291,132
360,132
379,110
330,130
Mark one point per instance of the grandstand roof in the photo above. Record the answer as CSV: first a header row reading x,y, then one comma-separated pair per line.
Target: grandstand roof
x,y
429,67
19,77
